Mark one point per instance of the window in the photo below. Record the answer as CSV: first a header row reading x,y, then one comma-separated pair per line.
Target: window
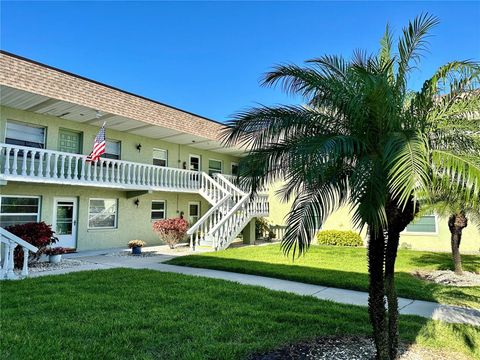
x,y
424,224
160,157
158,209
214,166
25,135
102,214
112,149
15,210
234,169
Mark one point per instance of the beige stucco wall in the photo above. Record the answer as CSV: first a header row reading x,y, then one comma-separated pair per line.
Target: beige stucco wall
x,y
342,220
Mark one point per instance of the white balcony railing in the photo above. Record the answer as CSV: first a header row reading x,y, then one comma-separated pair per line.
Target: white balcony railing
x,y
19,163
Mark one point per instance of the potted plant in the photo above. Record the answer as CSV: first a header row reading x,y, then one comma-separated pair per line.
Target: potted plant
x,y
136,246
55,254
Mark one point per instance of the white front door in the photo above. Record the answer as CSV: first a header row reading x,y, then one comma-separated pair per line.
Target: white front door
x,y
65,222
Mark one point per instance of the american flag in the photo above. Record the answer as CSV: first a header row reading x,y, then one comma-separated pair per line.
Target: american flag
x,y
98,146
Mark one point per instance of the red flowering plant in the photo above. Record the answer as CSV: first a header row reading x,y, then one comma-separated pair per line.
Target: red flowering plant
x,y
38,234
171,231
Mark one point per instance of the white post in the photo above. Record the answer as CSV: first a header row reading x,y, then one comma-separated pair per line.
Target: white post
x,y
10,275
25,262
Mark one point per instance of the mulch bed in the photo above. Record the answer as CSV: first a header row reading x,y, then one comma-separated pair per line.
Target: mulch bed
x,y
448,277
348,348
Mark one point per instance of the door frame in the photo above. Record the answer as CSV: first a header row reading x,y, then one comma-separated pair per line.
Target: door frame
x,y
80,133
74,218
199,204
199,157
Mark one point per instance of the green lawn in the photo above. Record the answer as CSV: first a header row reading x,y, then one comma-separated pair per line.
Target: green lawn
x,y
144,314
342,267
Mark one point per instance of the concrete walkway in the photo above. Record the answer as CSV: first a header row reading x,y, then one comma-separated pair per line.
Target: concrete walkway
x,y
447,313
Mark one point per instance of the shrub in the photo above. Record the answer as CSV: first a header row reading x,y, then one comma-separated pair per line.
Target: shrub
x,y
56,251
38,234
261,227
339,238
136,243
171,231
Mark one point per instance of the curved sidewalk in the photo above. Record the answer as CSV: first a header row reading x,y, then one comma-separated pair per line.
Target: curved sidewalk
x,y
432,310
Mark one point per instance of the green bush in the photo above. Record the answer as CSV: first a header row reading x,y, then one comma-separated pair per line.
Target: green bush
x,y
339,238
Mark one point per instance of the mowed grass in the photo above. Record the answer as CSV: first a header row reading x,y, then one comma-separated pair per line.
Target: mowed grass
x,y
342,267
144,314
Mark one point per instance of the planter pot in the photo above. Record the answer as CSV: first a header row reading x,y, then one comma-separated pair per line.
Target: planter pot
x,y
137,250
55,259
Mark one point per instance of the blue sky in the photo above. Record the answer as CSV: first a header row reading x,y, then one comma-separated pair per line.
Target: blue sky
x,y
208,57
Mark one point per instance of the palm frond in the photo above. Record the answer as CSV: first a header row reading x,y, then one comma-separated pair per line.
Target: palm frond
x,y
309,211
406,159
412,44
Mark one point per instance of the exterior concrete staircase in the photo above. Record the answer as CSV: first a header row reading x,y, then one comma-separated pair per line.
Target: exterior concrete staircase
x,y
232,209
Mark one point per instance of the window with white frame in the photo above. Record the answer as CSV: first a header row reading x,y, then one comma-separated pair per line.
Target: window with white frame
x,y
160,157
159,209
425,224
15,210
112,149
102,213
24,134
214,166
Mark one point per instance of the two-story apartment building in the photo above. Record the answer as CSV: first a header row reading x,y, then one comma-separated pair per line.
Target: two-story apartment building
x,y
160,162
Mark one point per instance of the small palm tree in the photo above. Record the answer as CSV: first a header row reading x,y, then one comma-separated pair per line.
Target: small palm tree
x,y
453,202
359,139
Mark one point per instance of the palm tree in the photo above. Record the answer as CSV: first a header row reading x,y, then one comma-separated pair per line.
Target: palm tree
x,y
454,202
451,105
354,141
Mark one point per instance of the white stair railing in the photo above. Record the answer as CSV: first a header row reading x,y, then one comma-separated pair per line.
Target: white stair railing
x,y
218,197
9,242
228,219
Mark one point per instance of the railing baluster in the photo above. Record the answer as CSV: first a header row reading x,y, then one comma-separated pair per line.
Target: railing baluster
x,y
25,262
47,168
24,162
62,167
15,160
32,164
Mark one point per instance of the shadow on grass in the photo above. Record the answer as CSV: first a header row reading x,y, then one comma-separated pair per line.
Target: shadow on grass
x,y
126,313
407,285
443,261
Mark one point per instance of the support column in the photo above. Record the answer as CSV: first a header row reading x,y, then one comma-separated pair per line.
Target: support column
x,y
249,233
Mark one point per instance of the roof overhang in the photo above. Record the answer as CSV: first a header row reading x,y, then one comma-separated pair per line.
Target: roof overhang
x,y
30,86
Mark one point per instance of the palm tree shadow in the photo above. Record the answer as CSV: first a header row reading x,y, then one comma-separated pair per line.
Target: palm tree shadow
x,y
443,261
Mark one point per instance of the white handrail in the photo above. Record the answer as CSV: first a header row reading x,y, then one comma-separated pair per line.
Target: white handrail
x,y
10,242
18,240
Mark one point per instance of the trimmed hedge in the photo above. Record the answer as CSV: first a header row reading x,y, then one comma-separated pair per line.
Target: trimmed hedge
x,y
339,238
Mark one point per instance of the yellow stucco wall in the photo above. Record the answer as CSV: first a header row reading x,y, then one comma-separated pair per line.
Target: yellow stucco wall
x,y
342,220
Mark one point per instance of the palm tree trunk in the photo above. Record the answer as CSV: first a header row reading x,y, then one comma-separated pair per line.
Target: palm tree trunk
x,y
376,299
398,218
392,300
456,224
